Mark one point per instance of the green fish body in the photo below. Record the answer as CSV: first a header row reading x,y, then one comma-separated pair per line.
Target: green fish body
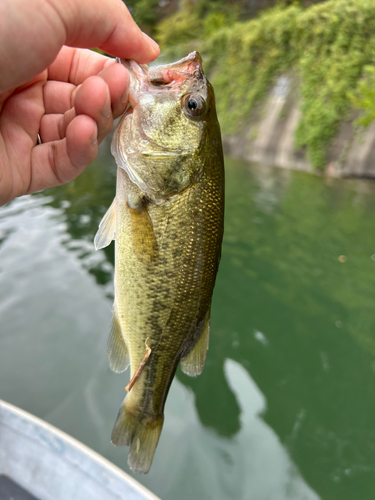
x,y
167,222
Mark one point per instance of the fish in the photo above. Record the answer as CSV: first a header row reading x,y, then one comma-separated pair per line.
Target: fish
x,y
167,220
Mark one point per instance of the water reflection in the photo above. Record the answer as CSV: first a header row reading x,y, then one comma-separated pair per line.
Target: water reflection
x,y
270,188
285,404
257,449
84,202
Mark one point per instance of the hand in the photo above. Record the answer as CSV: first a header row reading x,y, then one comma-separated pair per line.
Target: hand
x,y
68,95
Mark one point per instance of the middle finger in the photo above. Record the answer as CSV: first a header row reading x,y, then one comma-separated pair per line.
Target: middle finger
x,y
58,97
93,99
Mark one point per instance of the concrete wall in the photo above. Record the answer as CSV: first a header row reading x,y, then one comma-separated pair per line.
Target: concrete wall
x,y
269,138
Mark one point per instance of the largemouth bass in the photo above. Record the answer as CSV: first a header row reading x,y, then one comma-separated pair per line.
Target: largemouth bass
x,y
167,222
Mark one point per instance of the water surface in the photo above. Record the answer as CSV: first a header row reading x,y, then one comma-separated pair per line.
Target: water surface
x,y
285,407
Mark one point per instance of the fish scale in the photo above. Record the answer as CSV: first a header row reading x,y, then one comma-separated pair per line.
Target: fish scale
x,y
167,221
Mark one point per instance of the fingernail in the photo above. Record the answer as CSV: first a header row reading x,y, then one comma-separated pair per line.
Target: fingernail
x,y
125,96
153,44
106,111
94,138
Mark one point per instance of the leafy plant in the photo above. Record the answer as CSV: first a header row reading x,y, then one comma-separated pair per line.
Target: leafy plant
x,y
363,96
329,46
144,12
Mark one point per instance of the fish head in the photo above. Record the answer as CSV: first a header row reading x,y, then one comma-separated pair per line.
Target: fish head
x,y
161,140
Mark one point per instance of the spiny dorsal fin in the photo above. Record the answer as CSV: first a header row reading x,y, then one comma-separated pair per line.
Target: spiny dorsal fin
x,y
107,228
117,351
193,363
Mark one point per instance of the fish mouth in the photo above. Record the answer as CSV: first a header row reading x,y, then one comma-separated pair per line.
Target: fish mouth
x,y
172,76
165,74
176,72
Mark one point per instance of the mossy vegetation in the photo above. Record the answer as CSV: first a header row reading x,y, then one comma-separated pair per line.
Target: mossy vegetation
x,y
330,47
363,97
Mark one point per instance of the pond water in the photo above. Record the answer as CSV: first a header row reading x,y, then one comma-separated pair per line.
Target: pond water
x,y
285,407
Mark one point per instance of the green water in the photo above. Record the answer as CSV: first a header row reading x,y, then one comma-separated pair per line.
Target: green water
x,y
285,407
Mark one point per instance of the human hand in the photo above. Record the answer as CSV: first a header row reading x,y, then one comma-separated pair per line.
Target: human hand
x,y
68,95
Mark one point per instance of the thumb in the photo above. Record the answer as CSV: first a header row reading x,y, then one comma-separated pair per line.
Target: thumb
x,y
106,24
33,32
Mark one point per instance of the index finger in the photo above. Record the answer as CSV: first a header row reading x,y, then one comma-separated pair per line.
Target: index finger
x,y
75,65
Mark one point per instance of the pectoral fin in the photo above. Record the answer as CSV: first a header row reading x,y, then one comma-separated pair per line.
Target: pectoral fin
x,y
117,351
193,363
107,228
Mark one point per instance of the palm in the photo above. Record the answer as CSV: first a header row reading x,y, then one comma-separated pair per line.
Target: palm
x,y
71,109
21,115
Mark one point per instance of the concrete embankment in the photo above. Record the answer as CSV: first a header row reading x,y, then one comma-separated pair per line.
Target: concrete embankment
x,y
270,138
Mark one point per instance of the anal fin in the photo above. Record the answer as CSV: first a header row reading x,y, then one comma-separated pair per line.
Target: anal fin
x,y
117,351
193,363
107,228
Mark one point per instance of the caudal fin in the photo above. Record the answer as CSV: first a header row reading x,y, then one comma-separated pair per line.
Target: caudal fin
x,y
141,434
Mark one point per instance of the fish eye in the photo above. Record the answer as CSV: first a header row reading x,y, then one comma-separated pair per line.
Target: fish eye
x,y
194,105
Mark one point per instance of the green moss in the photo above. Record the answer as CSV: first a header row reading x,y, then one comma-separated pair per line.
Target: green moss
x,y
194,23
363,97
329,46
145,13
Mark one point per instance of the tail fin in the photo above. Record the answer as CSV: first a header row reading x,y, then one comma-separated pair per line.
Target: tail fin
x,y
141,434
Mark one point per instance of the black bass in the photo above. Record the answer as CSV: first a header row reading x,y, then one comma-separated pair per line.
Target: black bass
x,y
167,222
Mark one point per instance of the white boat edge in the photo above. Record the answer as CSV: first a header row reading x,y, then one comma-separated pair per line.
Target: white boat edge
x,y
19,421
